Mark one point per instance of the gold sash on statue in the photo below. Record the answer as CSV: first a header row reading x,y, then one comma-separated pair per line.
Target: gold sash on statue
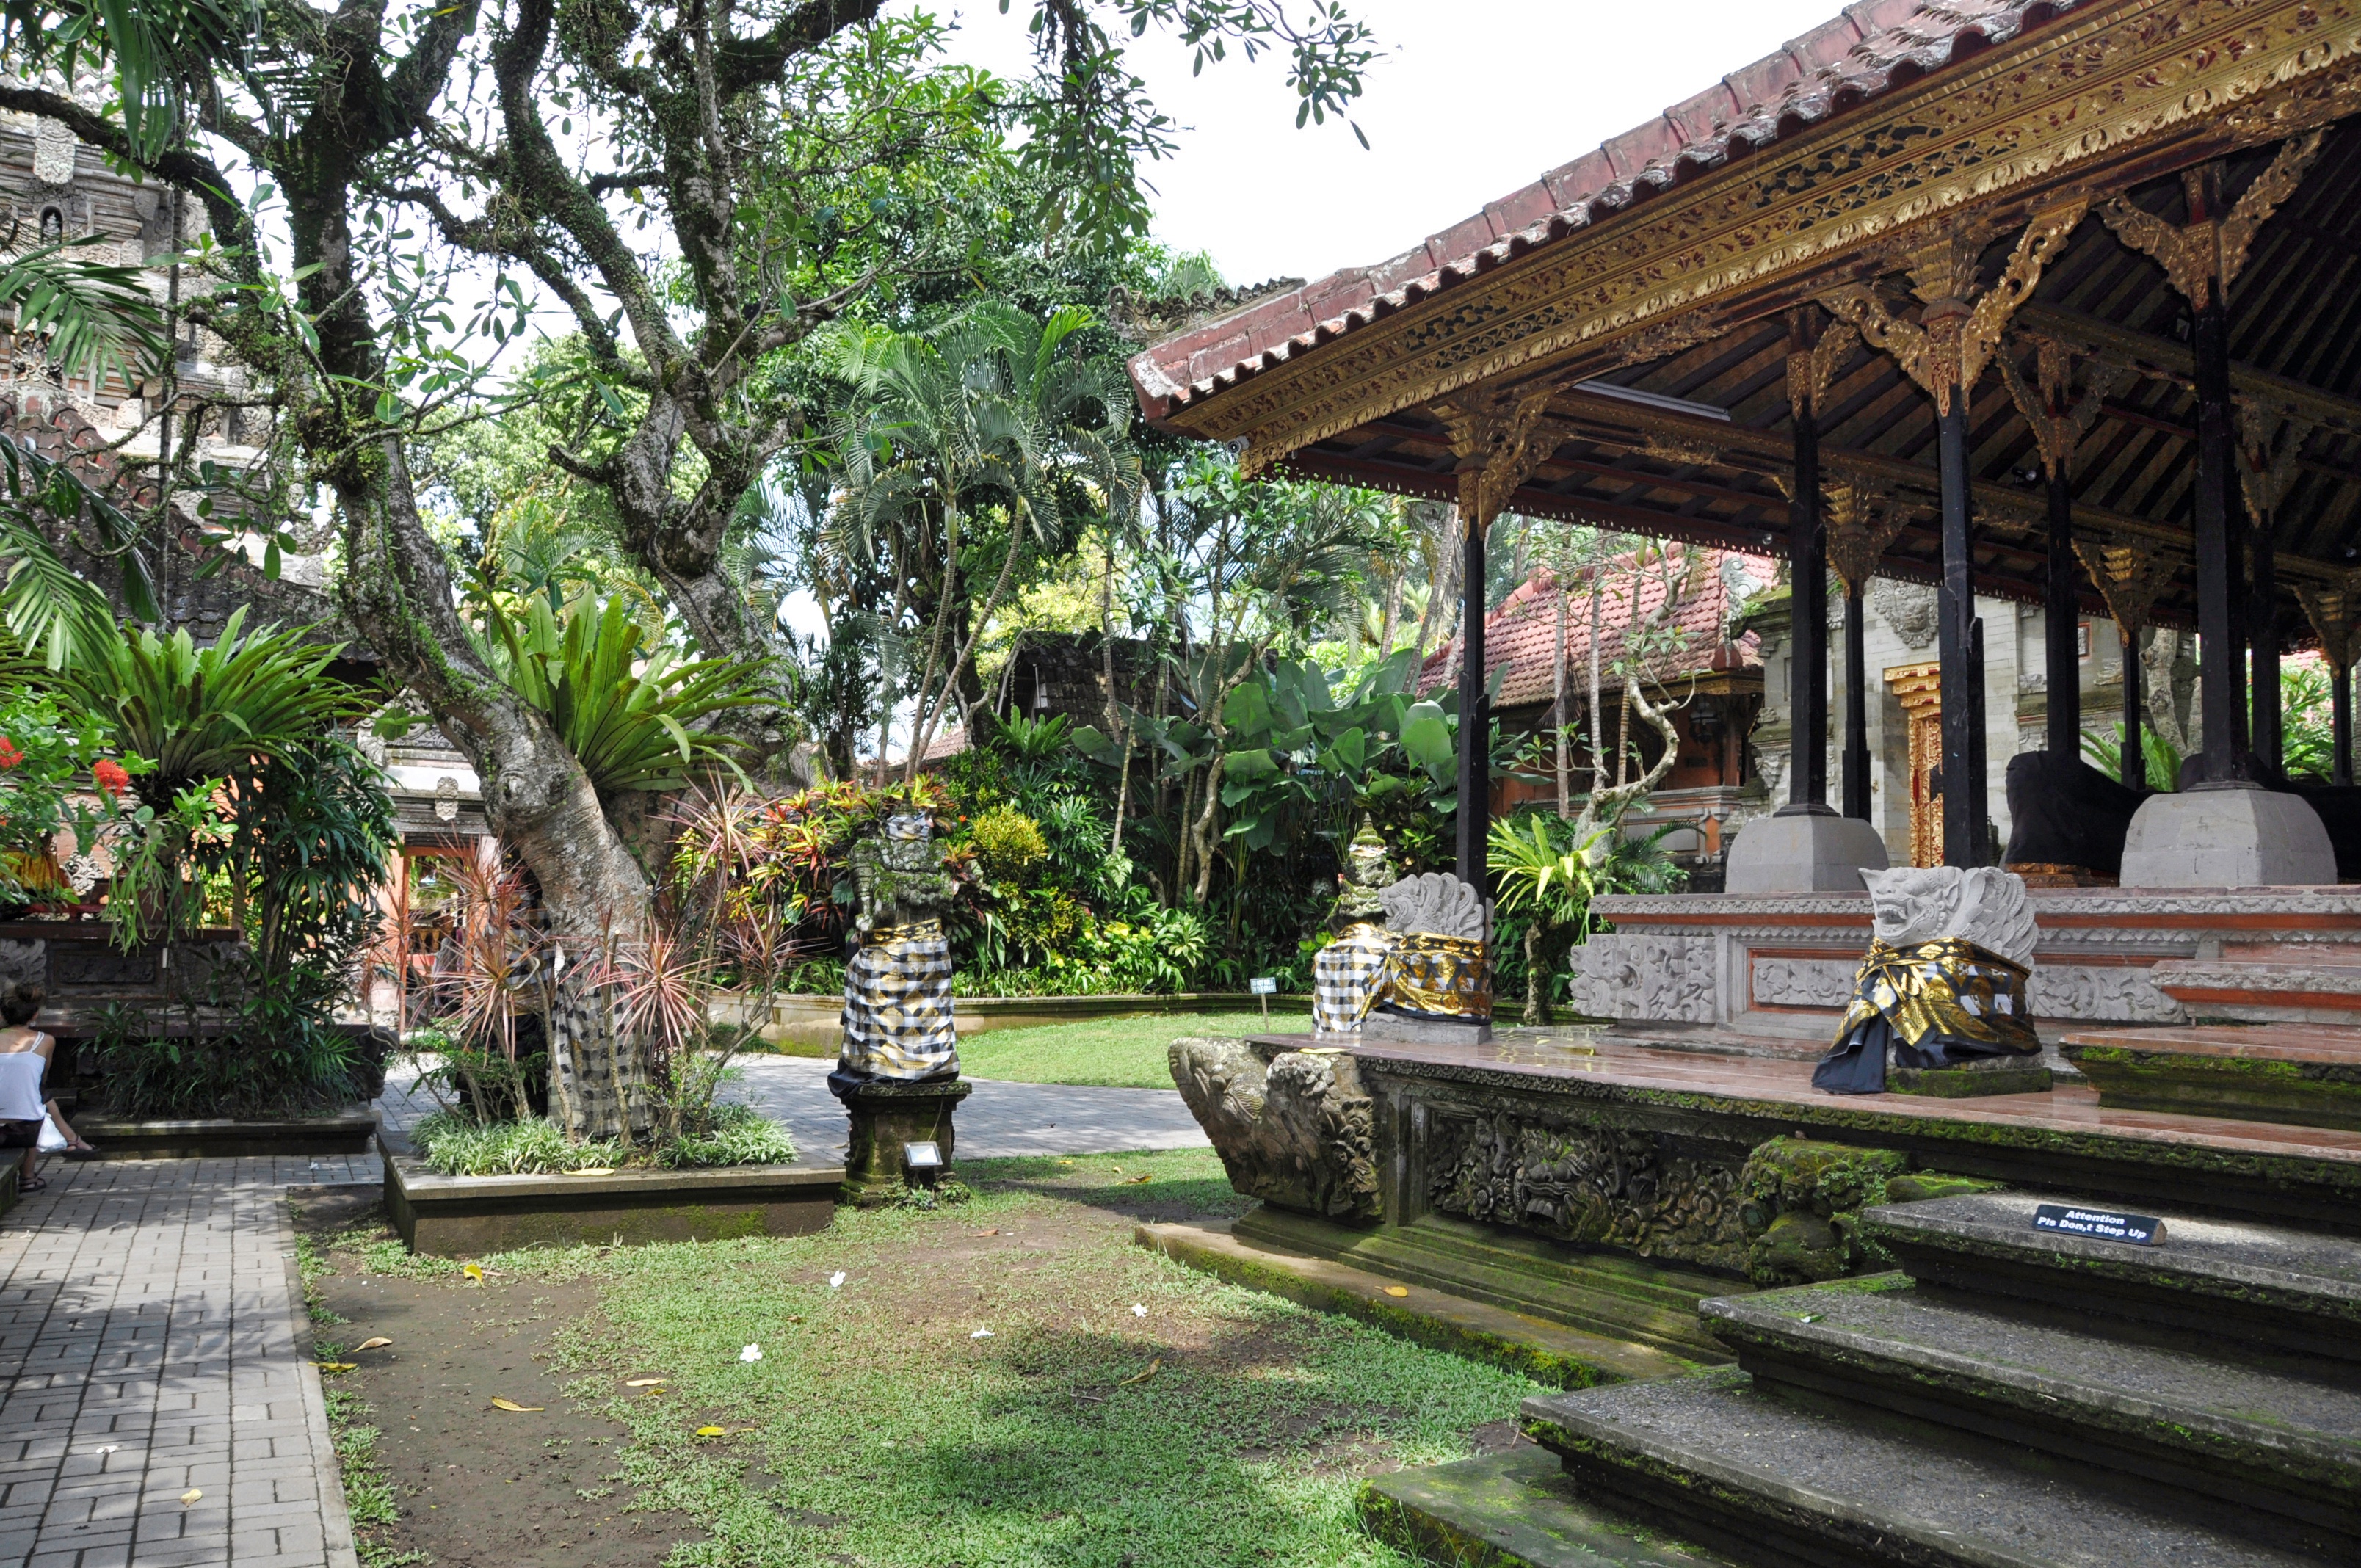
x,y
1949,989
915,931
1444,976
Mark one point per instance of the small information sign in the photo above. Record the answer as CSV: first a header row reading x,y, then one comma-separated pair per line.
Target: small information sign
x,y
2099,1224
1263,985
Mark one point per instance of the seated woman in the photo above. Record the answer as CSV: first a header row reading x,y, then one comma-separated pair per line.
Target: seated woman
x,y
24,1054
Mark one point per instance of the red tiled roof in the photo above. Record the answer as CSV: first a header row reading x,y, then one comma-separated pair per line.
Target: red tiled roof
x,y
1870,47
1522,633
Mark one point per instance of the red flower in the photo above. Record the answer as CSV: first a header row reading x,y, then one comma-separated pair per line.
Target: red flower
x,y
9,755
111,777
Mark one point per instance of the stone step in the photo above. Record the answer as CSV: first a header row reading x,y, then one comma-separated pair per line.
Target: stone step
x,y
1546,1352
2233,1283
2279,987
2305,1074
2270,1439
1617,1297
1774,1479
1510,1511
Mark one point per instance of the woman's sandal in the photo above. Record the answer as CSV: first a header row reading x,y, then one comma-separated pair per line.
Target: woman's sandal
x,y
31,1183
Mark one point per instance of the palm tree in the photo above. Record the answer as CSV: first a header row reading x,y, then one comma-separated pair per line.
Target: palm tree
x,y
988,425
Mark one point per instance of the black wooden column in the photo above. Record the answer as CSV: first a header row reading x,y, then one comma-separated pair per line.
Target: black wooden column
x,y
1856,741
2133,763
1807,678
2340,721
1474,711
2263,628
2218,682
1963,745
2061,608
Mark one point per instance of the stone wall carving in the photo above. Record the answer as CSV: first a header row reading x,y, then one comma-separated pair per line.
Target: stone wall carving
x,y
1803,982
2102,993
1909,611
1295,1131
1596,1185
1664,978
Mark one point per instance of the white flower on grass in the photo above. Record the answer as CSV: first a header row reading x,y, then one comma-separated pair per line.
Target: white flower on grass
x,y
1137,1311
836,1279
751,1352
981,1333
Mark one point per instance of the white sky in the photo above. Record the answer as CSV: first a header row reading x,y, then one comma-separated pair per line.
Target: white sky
x,y
1474,99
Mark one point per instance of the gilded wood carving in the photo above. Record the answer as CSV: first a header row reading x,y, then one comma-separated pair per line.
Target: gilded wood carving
x,y
2056,107
1499,439
2335,615
1860,525
2210,250
2058,418
2129,575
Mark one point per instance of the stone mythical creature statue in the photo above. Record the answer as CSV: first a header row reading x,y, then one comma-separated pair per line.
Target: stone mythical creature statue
x,y
1431,965
897,985
1344,975
1943,985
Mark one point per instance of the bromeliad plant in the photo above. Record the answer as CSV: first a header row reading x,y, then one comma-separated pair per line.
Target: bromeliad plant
x,y
632,712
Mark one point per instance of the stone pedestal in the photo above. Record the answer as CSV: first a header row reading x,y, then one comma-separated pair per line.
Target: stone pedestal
x,y
886,1114
1382,1024
1806,853
1973,1080
2237,837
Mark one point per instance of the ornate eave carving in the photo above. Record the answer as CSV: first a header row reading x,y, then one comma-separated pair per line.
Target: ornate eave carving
x,y
2025,119
2129,575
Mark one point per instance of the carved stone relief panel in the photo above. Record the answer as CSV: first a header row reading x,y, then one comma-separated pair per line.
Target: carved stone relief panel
x,y
1599,1185
1802,982
1668,979
2100,993
1909,611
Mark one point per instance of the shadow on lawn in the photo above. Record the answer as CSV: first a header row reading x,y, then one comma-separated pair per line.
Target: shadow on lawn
x,y
1114,1445
1179,1185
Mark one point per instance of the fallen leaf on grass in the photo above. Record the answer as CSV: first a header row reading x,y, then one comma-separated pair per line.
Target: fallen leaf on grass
x,y
993,1232
1136,1180
713,1431
377,1342
333,1366
981,1333
1397,1290
644,1382
836,1279
1154,1367
190,1495
474,1272
499,1404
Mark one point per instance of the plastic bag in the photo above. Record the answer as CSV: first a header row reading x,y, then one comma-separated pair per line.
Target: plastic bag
x,y
52,1139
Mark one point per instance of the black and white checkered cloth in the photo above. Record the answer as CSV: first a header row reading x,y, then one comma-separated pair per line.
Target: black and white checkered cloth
x,y
1344,974
898,1009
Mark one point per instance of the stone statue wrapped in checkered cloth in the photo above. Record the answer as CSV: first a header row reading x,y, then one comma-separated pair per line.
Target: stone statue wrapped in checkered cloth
x,y
897,985
1346,973
1431,963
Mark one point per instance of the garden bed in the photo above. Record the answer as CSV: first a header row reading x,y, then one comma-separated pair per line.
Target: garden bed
x,y
809,1025
454,1216
345,1132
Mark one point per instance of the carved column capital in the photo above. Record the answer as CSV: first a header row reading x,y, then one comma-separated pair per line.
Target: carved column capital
x,y
1499,439
2050,405
2210,250
2333,612
2129,575
1945,351
1861,524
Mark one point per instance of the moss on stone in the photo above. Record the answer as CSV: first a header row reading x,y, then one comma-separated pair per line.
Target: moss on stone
x,y
1918,1186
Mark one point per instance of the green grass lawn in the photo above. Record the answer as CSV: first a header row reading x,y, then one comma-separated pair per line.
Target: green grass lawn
x,y
1121,1053
1008,1382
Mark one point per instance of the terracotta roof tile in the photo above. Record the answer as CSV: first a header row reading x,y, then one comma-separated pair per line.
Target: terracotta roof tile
x,y
1873,45
1522,633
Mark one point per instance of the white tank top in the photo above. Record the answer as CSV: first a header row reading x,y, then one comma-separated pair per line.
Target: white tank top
x,y
20,1086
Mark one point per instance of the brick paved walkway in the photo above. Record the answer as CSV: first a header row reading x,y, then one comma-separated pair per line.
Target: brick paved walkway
x,y
149,1344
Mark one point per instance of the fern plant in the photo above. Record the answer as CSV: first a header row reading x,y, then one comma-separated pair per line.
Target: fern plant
x,y
627,708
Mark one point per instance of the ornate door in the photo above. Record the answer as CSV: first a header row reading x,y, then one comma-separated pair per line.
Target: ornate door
x,y
1919,689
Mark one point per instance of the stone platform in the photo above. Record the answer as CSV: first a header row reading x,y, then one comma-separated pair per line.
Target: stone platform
x,y
1769,974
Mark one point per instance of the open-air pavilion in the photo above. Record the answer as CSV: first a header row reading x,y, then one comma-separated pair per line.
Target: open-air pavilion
x,y
2050,302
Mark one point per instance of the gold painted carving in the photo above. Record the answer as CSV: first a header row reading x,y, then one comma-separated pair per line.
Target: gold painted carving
x,y
1946,350
1499,439
1809,372
2058,418
2335,611
2066,101
1859,525
1918,688
2130,574
1680,449
2197,255
2270,442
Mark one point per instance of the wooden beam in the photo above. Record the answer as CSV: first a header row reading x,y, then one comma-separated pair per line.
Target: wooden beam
x,y
2175,362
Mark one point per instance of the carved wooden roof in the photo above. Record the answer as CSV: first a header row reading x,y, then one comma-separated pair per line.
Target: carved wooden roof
x,y
1663,333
